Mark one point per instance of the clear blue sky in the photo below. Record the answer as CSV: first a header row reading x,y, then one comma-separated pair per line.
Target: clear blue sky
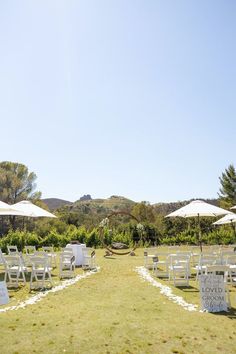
x,y
126,97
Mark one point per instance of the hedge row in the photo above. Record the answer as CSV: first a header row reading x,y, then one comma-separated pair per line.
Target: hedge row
x,y
218,236
92,238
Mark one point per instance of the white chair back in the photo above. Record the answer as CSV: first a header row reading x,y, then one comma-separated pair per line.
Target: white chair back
x,y
14,270
179,269
67,264
161,267
89,258
1,257
30,250
12,250
225,255
41,272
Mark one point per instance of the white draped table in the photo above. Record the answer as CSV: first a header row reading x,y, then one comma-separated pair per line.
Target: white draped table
x,y
77,252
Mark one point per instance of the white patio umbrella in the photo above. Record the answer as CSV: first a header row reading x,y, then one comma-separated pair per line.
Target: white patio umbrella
x,y
198,208
227,219
32,210
6,209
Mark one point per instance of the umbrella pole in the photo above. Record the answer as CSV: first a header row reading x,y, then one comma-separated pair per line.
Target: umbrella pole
x,y
233,227
199,232
2,225
23,224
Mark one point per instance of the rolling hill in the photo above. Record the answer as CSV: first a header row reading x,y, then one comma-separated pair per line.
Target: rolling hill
x,y
55,203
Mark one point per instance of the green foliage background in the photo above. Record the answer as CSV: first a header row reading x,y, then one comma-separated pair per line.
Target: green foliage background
x,y
80,220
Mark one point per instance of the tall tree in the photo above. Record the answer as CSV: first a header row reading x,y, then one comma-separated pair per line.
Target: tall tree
x,y
144,212
227,192
17,183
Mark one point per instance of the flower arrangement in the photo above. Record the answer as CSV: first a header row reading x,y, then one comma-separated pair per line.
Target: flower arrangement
x,y
104,223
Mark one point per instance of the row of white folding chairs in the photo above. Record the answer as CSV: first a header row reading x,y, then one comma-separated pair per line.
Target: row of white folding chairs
x,y
162,257
31,250
194,257
175,265
67,261
40,265
15,270
48,250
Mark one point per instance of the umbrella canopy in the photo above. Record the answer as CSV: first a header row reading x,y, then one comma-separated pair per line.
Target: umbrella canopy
x,y
6,209
234,207
198,208
32,210
227,219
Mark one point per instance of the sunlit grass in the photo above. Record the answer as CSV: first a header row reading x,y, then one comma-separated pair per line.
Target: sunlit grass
x,y
114,311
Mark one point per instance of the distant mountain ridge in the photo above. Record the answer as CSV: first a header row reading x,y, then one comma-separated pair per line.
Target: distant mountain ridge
x,y
104,205
113,203
55,203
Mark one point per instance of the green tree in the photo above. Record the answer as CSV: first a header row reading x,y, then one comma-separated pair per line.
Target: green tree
x,y
227,192
17,183
144,212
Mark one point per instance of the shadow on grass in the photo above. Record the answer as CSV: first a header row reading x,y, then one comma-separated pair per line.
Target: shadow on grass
x,y
231,314
188,289
13,290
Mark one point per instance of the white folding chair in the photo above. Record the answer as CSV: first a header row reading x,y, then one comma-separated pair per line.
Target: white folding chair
x,y
51,254
225,254
173,249
204,261
1,257
189,255
12,250
30,250
67,264
68,250
41,272
149,253
161,269
179,269
230,261
14,270
89,258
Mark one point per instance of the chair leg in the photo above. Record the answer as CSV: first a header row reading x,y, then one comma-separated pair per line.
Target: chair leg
x,y
50,278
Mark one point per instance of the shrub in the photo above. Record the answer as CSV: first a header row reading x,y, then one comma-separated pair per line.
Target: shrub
x,y
93,239
55,239
123,237
19,239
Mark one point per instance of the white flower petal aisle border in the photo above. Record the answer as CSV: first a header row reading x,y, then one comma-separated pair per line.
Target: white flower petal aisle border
x,y
38,297
165,290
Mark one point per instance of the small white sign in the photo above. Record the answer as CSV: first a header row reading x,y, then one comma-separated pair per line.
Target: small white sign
x,y
4,297
212,291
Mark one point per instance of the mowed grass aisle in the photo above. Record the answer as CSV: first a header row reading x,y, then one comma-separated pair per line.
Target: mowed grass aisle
x,y
114,311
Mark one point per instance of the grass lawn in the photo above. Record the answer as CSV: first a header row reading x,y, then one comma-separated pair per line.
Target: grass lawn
x,y
114,311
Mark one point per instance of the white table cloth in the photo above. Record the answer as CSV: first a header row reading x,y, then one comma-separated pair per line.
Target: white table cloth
x,y
77,252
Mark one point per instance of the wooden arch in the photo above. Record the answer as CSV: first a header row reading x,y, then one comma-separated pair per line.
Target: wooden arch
x,y
115,213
